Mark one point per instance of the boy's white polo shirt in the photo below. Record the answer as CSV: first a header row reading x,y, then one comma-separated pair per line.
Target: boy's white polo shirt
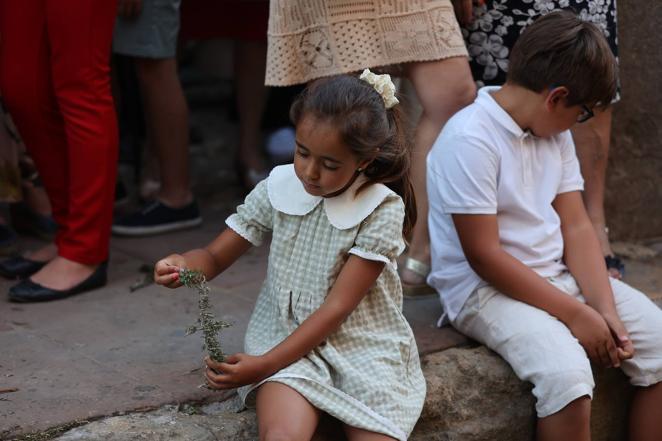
x,y
484,163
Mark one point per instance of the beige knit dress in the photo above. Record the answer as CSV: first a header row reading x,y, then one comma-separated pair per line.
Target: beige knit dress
x,y
309,39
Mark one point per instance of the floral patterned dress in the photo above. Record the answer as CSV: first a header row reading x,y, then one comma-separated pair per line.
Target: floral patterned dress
x,y
498,23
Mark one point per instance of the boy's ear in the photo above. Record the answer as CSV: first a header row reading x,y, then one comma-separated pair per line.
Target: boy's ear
x,y
556,95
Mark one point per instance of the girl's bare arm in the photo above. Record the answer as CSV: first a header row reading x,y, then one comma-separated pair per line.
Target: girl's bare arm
x,y
352,284
211,260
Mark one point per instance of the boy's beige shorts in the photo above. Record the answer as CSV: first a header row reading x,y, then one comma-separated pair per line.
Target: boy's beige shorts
x,y
541,349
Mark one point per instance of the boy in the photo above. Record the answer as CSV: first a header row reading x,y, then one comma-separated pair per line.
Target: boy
x,y
514,256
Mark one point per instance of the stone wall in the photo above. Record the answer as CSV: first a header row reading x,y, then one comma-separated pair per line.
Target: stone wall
x,y
634,179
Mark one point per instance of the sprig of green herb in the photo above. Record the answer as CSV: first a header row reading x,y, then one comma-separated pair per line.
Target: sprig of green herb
x,y
206,322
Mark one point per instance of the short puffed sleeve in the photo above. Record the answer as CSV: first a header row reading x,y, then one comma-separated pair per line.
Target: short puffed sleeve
x,y
254,218
380,235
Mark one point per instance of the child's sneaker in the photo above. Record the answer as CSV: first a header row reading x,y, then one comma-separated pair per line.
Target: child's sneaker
x,y
156,218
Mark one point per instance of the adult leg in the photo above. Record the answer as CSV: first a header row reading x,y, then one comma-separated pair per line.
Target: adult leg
x,y
26,83
283,414
250,64
152,39
166,115
443,87
356,434
80,40
592,140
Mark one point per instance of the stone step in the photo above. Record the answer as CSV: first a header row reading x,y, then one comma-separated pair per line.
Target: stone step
x,y
473,395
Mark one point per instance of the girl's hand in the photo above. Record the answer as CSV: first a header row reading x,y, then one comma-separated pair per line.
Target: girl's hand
x,y
593,333
237,370
620,335
166,271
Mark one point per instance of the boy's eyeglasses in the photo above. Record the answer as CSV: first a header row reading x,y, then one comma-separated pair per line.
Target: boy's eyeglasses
x,y
585,115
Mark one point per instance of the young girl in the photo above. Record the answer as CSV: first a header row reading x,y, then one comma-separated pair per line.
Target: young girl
x,y
327,333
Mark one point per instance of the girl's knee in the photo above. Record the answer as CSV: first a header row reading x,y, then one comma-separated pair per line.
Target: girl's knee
x,y
278,433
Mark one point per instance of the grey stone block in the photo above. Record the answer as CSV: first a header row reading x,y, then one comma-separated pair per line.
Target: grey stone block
x,y
473,395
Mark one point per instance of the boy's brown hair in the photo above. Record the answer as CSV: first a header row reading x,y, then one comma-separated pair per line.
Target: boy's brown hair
x,y
559,49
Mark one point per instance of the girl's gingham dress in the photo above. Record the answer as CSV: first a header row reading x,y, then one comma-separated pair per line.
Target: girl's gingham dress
x,y
367,373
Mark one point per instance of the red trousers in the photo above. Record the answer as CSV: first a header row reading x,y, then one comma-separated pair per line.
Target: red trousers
x,y
55,81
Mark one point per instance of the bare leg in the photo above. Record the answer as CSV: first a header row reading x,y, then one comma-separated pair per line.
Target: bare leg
x,y
646,414
356,434
43,254
431,80
250,64
166,115
572,423
592,143
62,273
36,199
284,414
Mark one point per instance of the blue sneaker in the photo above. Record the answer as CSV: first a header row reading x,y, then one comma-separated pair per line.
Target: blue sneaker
x,y
157,218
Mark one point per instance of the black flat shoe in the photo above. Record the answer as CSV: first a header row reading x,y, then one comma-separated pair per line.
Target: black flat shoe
x,y
28,291
19,267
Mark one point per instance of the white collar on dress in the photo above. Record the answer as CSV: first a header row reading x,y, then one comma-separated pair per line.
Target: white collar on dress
x,y
347,210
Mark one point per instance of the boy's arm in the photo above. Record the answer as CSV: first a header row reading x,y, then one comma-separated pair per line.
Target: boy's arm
x,y
479,236
584,259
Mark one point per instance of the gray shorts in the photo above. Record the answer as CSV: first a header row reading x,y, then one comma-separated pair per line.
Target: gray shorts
x,y
152,34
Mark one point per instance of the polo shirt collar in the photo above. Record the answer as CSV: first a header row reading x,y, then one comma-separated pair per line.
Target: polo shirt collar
x,y
497,112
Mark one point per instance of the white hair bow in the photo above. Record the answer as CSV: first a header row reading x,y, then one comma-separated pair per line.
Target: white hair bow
x,y
383,85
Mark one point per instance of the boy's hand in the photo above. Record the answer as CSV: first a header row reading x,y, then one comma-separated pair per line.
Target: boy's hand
x,y
593,333
166,271
620,335
237,370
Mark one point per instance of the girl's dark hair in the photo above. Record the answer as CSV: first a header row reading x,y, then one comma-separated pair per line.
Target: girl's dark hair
x,y
368,128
